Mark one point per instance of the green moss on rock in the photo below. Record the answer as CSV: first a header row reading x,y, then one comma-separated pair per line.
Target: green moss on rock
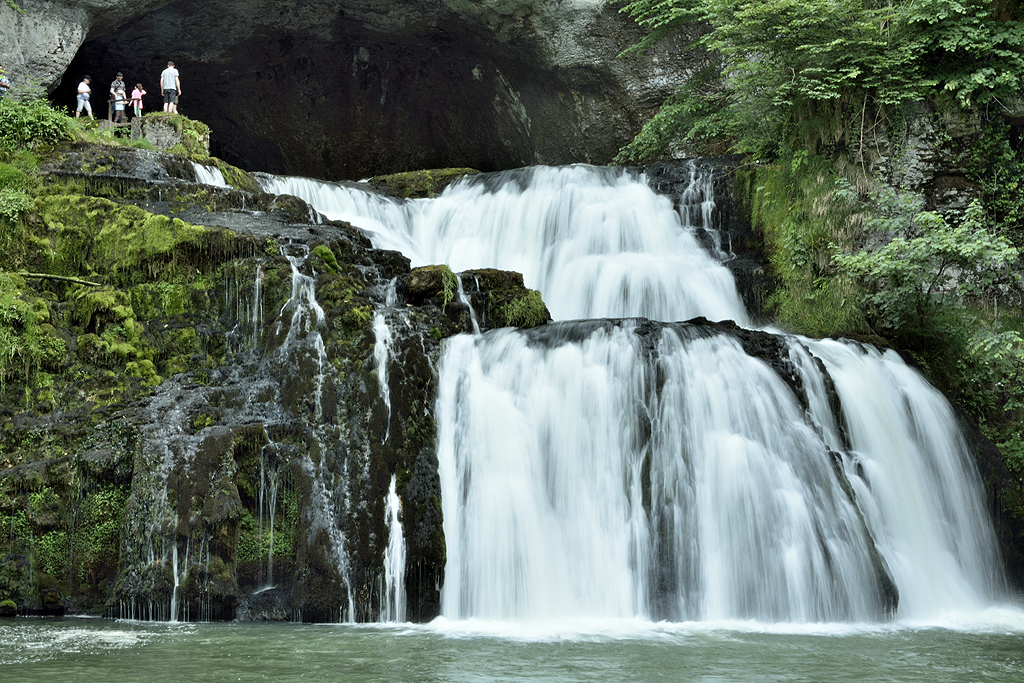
x,y
430,282
324,253
511,308
419,184
92,236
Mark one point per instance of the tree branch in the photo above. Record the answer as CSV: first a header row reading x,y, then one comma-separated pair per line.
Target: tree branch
x,y
62,278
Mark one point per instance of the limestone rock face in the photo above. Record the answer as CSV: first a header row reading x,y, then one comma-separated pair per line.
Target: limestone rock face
x,y
353,88
40,41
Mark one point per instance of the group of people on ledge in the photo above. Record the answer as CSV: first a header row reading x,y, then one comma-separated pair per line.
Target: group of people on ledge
x,y
170,82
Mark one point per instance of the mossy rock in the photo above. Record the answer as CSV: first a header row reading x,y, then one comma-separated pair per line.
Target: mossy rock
x,y
176,133
511,308
327,257
236,177
420,184
493,279
430,282
8,609
90,235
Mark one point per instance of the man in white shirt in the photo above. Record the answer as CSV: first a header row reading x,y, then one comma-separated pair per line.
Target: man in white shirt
x,y
170,82
84,91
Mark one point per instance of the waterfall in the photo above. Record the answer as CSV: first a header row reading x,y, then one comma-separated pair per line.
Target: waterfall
x,y
209,175
596,242
664,470
591,478
914,480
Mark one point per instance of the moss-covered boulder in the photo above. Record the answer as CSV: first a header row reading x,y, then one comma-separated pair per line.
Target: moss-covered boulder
x,y
420,184
497,297
506,300
174,132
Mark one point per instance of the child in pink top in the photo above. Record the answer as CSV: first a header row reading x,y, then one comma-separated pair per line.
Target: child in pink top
x,y
137,98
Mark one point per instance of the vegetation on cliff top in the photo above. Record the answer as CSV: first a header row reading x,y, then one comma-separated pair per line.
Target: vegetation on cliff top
x,y
807,74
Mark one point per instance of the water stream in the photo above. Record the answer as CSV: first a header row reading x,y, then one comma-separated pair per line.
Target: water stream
x,y
614,470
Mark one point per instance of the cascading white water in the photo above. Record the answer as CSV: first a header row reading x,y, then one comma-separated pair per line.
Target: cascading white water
x,y
393,607
596,242
586,479
382,348
914,481
209,175
594,470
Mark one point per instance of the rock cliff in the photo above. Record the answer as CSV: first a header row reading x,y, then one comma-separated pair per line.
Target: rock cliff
x,y
210,411
350,88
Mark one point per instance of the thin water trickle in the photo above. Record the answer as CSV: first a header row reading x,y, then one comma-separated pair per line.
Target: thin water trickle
x,y
394,558
382,347
464,300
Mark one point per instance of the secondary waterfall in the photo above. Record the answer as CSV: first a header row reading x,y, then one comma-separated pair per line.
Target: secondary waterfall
x,y
209,175
596,242
597,468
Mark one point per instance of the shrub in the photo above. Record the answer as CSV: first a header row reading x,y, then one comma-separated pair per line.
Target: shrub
x,y
31,122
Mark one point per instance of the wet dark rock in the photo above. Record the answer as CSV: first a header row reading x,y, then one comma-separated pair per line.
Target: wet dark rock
x,y
735,242
272,604
184,455
420,184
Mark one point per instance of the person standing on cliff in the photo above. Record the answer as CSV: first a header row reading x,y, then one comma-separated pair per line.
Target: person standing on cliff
x,y
5,85
171,84
84,92
115,85
137,98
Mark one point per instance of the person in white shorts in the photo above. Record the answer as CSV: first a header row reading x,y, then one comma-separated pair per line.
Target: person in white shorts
x,y
84,91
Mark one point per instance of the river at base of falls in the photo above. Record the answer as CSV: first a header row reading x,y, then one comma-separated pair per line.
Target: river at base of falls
x,y
620,651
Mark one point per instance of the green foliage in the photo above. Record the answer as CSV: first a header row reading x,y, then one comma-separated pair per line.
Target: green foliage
x,y
97,538
27,341
999,168
931,266
141,143
13,203
254,546
659,17
806,73
800,209
31,122
695,115
449,284
14,6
